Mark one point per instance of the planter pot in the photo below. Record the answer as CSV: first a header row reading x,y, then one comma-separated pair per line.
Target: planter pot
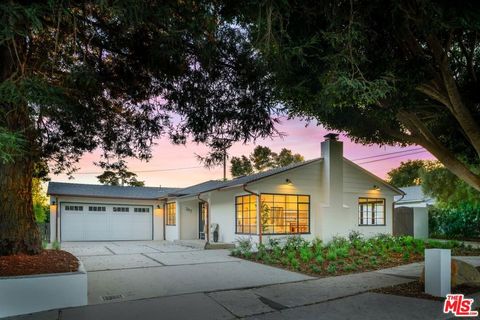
x,y
40,292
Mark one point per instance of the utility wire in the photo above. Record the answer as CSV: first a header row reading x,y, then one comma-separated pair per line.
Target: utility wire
x,y
154,170
387,154
393,157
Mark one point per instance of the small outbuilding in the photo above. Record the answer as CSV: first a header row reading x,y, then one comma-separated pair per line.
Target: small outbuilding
x,y
411,212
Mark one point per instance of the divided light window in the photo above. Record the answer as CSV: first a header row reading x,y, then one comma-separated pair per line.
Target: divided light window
x,y
285,214
73,208
371,212
96,208
141,209
121,209
246,214
171,214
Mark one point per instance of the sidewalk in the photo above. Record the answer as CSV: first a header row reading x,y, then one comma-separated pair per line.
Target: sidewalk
x,y
341,297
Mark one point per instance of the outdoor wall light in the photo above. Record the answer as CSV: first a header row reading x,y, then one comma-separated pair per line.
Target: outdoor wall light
x,y
288,181
158,206
54,203
376,188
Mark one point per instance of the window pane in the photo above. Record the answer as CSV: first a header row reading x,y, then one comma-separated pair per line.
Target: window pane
x,y
283,212
371,211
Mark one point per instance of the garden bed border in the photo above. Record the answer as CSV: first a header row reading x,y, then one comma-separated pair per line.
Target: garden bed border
x,y
40,292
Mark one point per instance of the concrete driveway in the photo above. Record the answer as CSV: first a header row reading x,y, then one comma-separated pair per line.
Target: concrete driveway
x,y
129,270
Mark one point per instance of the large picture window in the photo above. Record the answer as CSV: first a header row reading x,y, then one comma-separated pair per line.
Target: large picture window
x,y
246,214
285,214
371,212
171,214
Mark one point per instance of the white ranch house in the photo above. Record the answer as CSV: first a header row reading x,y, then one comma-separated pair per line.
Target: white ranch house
x,y
321,198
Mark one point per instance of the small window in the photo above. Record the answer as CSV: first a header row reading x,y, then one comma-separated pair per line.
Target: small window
x,y
171,214
121,209
246,214
96,209
141,210
73,208
371,212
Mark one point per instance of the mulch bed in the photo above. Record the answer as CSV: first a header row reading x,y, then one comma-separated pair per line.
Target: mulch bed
x,y
415,289
48,261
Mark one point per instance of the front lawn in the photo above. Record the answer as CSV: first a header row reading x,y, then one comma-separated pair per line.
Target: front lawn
x,y
342,255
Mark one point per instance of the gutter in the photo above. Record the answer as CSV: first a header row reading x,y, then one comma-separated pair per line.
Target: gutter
x,y
244,187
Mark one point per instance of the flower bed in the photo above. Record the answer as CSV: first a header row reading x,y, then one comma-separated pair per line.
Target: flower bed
x,y
342,255
48,261
52,279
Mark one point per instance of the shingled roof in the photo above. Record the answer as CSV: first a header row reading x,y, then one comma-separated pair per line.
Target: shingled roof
x,y
104,191
218,184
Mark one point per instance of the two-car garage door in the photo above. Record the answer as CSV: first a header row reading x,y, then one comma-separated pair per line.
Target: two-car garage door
x,y
100,222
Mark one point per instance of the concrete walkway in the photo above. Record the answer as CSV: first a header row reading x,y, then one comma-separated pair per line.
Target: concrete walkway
x,y
341,297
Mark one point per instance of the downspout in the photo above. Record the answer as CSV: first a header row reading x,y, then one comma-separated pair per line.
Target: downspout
x,y
164,216
259,217
56,219
207,218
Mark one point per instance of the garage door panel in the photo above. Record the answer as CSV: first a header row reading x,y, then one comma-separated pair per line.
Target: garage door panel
x,y
98,224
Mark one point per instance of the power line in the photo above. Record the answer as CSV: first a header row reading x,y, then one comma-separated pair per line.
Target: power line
x,y
397,156
387,154
155,170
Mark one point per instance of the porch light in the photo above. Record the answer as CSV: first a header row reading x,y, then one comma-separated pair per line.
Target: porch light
x,y
288,182
375,188
54,202
158,206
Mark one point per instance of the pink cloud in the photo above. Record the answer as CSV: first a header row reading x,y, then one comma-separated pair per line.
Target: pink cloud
x,y
184,168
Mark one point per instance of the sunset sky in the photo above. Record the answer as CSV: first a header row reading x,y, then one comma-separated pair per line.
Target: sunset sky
x,y
181,167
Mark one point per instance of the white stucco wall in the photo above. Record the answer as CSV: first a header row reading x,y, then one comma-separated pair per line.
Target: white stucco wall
x,y
157,213
326,221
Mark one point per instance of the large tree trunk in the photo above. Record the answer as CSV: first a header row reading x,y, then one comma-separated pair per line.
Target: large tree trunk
x,y
18,230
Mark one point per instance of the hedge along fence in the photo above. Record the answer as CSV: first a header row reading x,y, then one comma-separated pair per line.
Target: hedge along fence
x,y
462,222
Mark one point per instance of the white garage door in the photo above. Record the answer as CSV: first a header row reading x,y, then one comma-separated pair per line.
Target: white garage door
x,y
98,222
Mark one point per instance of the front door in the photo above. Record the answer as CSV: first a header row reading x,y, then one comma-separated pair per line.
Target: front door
x,y
202,219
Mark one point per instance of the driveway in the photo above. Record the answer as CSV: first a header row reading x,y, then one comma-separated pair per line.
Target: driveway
x,y
130,270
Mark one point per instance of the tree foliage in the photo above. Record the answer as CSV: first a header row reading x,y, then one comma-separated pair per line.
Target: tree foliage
x,y
387,72
117,174
40,201
261,159
77,76
407,174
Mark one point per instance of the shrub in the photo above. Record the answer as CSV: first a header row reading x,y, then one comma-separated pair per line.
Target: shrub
x,y
349,267
261,252
373,261
339,242
295,264
244,248
56,245
315,268
294,243
332,254
332,268
343,252
355,236
306,254
319,258
406,256
461,222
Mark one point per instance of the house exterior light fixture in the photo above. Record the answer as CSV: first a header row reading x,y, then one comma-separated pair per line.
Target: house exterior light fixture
x,y
288,182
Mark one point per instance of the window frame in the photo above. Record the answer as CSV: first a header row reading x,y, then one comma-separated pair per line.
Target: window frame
x,y
168,214
359,220
259,201
236,215
298,219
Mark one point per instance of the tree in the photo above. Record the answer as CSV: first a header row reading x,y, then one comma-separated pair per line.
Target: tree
x,y
240,166
286,157
83,75
448,190
387,72
117,174
407,174
261,159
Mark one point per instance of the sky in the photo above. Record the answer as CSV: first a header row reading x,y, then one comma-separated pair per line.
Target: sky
x,y
178,166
